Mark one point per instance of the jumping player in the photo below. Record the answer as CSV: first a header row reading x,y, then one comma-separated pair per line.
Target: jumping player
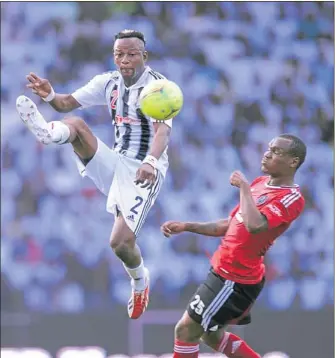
x,y
131,174
267,208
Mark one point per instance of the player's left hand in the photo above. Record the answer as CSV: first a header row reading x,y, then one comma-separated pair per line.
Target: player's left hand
x,y
146,176
237,179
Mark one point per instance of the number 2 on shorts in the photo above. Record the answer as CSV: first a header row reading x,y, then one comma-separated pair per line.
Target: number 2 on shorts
x,y
139,201
197,305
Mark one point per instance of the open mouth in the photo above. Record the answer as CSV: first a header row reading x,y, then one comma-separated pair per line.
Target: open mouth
x,y
127,71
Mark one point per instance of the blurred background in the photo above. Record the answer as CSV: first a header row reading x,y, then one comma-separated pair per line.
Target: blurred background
x,y
249,71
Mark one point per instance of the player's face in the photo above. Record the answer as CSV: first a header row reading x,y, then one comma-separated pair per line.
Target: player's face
x,y
278,159
130,57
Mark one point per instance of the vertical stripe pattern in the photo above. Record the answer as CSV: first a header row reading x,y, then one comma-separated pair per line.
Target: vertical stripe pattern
x,y
145,132
113,111
127,134
216,304
153,193
134,131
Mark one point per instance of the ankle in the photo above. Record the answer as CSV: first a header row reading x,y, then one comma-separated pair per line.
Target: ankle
x,y
137,275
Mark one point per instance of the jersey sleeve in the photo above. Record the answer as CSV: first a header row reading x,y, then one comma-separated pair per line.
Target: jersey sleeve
x,y
283,210
93,93
234,211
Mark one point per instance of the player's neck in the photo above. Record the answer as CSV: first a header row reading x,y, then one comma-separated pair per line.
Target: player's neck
x,y
131,81
281,181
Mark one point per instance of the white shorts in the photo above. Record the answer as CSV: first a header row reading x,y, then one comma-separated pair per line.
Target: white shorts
x,y
114,175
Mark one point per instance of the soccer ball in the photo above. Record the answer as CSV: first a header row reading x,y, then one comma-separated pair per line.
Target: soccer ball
x,y
161,100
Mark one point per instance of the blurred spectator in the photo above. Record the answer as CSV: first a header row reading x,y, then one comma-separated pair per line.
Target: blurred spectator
x,y
248,70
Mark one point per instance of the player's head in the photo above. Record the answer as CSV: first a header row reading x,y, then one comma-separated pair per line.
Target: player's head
x,y
284,156
129,53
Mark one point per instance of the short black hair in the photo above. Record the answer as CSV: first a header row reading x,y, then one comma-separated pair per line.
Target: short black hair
x,y
298,147
128,34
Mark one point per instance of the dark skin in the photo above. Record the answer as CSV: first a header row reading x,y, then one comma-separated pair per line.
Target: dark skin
x,y
130,58
279,163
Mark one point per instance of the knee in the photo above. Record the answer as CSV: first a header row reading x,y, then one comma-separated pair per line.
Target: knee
x,y
77,123
188,330
122,245
181,330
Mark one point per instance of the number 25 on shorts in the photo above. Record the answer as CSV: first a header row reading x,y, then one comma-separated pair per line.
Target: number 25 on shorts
x,y
197,305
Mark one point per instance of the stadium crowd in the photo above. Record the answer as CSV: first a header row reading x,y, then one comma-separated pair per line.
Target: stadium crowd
x,y
249,71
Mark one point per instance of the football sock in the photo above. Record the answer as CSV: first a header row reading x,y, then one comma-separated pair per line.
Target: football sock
x,y
234,347
138,275
185,350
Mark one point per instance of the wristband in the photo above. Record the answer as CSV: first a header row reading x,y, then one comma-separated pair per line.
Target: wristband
x,y
151,160
50,96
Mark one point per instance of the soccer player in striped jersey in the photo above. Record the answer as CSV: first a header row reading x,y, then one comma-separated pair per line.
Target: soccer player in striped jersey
x,y
267,208
131,174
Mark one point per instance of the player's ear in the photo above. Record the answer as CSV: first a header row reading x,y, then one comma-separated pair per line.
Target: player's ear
x,y
294,162
145,56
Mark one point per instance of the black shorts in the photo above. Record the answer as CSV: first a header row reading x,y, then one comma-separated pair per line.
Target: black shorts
x,y
219,302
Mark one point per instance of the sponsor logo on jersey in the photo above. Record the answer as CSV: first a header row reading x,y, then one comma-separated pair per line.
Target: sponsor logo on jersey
x,y
261,200
275,210
127,120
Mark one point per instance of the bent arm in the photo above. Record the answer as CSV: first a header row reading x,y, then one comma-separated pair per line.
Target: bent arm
x,y
253,219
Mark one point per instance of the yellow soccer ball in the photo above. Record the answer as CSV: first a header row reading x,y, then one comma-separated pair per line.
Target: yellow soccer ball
x,y
161,100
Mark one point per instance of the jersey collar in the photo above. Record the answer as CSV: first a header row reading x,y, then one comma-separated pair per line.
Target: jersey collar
x,y
141,81
281,187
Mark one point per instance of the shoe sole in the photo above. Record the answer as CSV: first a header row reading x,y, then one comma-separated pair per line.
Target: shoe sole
x,y
29,114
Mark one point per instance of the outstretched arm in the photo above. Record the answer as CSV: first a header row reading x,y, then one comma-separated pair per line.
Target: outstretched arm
x,y
215,229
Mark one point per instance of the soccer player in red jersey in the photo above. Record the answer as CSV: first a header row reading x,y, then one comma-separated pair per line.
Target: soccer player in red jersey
x,y
267,208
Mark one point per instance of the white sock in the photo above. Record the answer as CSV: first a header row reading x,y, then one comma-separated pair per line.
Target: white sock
x,y
138,276
60,132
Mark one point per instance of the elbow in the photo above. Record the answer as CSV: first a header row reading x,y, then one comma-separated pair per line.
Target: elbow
x,y
256,225
252,229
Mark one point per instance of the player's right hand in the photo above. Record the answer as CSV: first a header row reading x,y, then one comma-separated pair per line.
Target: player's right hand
x,y
38,85
172,228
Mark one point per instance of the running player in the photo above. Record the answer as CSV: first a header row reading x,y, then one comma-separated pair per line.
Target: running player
x,y
131,174
267,208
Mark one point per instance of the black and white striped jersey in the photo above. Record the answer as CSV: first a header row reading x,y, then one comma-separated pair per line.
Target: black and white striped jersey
x,y
134,131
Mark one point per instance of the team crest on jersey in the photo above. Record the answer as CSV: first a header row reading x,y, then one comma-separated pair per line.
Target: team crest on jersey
x,y
261,200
